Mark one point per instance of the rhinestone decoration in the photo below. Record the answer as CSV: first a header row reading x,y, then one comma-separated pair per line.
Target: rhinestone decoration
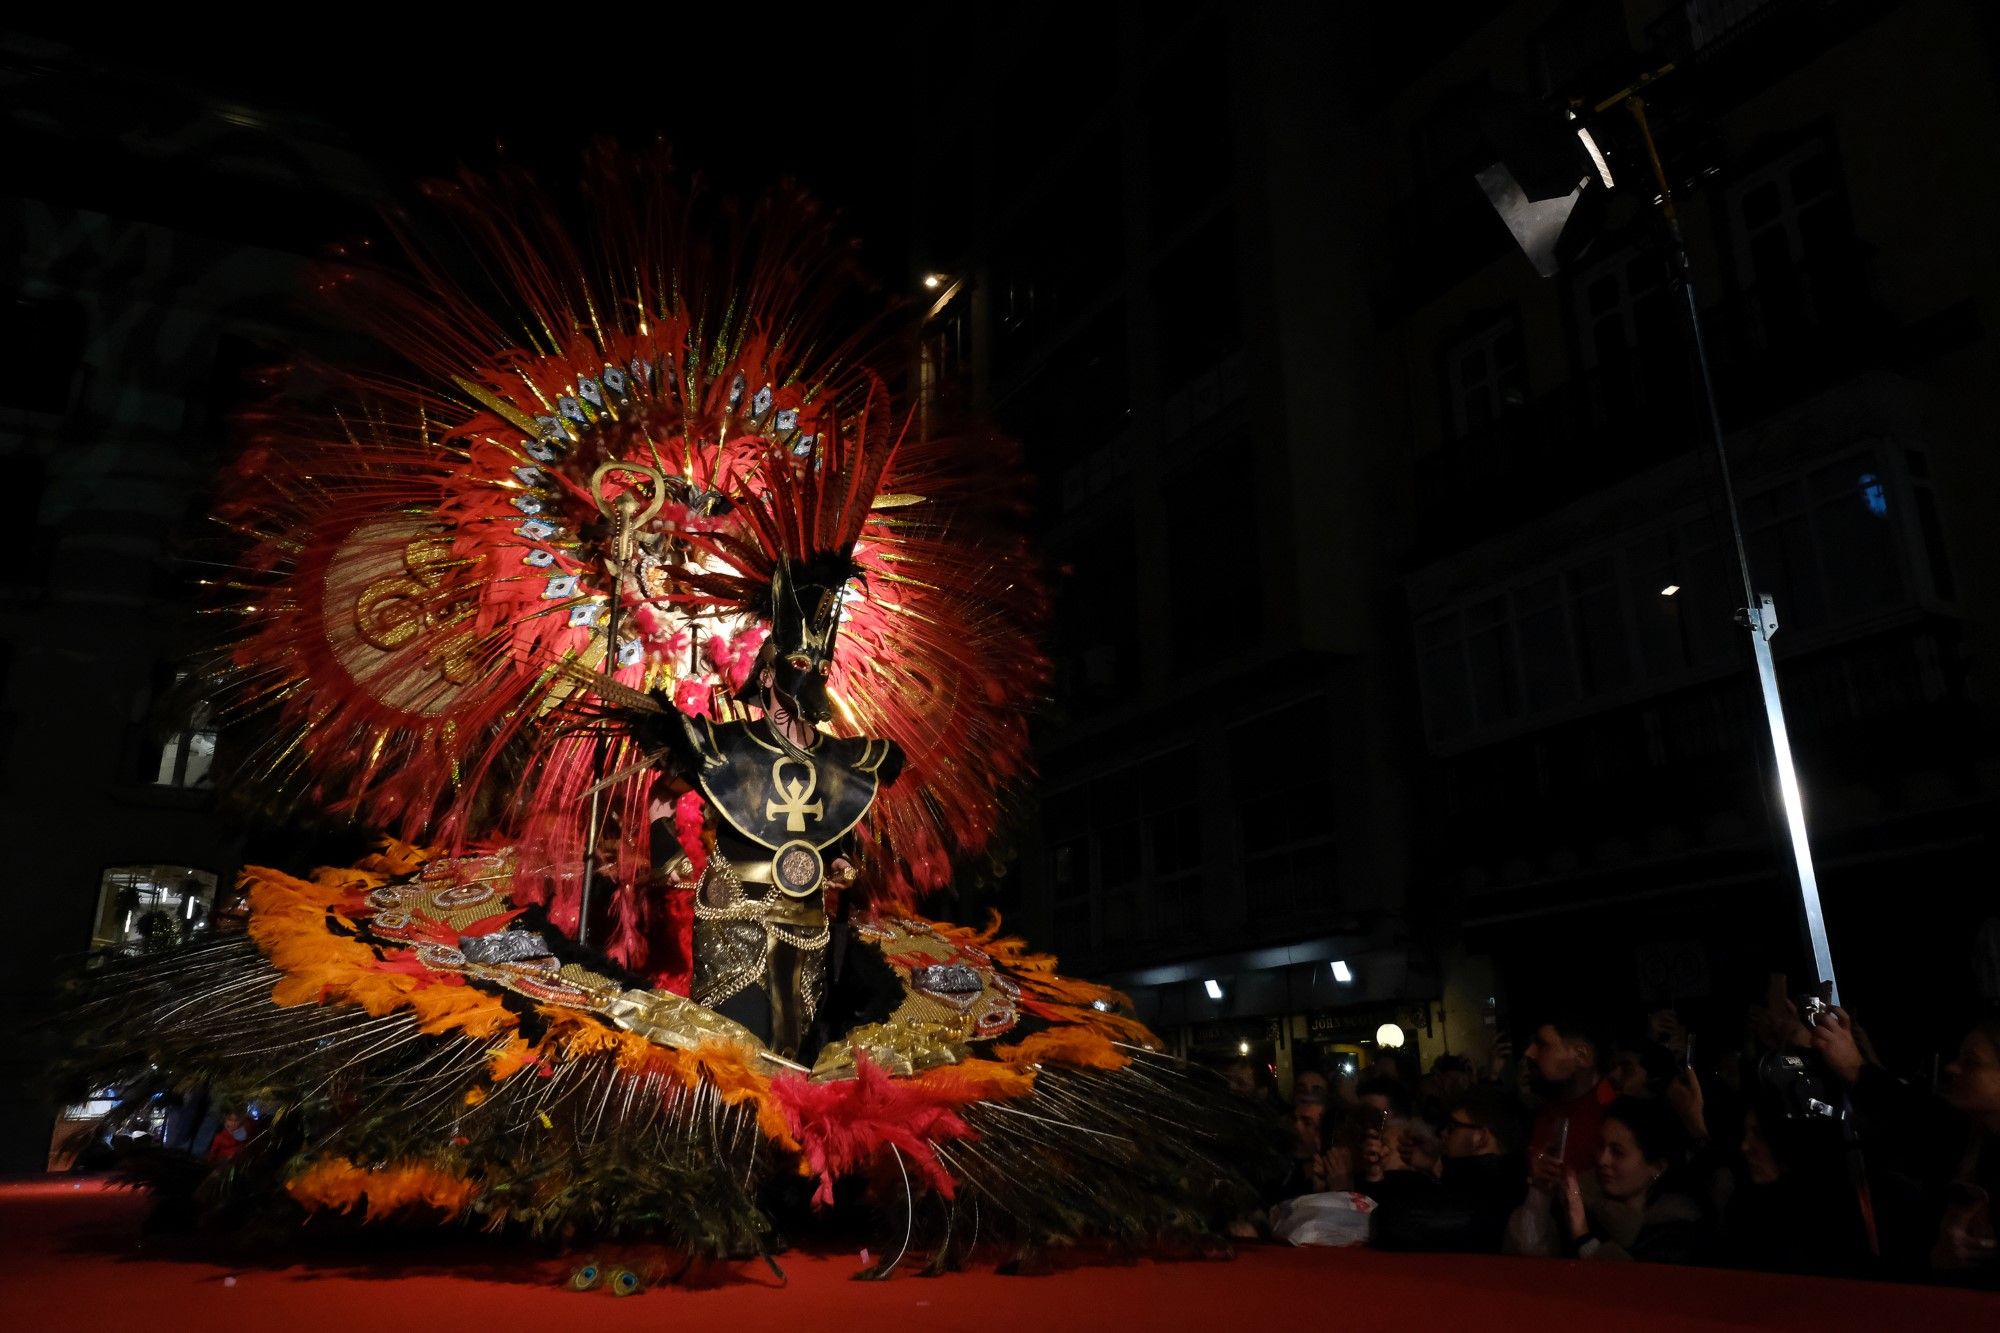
x,y
531,476
503,946
527,504
788,418
462,895
440,955
590,391
385,899
946,979
586,615
630,652
539,559
804,445
761,403
614,380
537,530
572,409
540,452
564,586
552,430
736,388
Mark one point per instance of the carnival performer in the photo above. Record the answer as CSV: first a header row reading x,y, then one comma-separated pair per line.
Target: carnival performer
x,y
674,667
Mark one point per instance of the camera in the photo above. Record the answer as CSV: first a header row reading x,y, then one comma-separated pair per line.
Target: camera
x,y
1803,1086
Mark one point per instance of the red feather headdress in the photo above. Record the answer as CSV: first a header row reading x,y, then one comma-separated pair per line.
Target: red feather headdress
x,y
433,563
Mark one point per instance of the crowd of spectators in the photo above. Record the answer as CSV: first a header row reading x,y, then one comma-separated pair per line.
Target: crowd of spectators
x,y
1794,1149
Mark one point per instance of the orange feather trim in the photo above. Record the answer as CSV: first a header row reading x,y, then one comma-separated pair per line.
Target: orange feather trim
x,y
340,1185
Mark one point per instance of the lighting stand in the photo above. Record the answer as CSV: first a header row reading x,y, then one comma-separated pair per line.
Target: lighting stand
x,y
1758,614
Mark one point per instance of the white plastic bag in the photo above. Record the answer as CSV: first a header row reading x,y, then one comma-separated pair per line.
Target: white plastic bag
x,y
1335,1218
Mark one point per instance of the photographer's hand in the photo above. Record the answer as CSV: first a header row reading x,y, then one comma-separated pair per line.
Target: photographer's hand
x,y
1833,1038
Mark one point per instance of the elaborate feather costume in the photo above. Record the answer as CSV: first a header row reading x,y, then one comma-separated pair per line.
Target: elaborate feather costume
x,y
511,603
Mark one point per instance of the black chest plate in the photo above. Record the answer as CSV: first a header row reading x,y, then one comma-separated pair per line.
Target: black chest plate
x,y
772,798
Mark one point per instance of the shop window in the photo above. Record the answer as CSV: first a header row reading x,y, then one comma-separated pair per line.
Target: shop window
x,y
152,906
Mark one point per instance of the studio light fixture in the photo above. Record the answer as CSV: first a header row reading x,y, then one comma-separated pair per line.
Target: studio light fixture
x,y
933,281
1548,183
1243,1048
1670,590
1213,987
1342,972
1389,1037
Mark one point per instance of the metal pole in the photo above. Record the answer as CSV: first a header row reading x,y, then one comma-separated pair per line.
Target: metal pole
x,y
1758,614
626,508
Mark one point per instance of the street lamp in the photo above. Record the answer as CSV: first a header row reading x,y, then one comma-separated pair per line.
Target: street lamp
x,y
1551,175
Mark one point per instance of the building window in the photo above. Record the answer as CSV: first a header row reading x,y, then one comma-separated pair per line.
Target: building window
x,y
1125,858
1285,815
1485,377
1793,240
1197,304
187,757
1828,546
152,907
1625,334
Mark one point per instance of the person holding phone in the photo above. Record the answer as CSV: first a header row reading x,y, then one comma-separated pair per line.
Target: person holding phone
x,y
1563,1063
1629,1207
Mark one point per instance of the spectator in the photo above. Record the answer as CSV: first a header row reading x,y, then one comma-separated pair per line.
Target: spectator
x,y
1640,1067
229,1139
1966,1246
1794,1209
1383,1095
1629,1207
1479,1187
1450,1077
1312,1125
1562,1062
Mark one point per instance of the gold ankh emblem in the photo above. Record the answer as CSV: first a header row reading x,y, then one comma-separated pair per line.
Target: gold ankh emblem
x,y
796,794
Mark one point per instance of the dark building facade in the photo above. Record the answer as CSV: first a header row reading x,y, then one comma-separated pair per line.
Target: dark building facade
x,y
1144,229
1366,532
1599,803
155,257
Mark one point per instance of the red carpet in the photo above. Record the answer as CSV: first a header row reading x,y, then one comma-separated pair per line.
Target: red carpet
x,y
73,1257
